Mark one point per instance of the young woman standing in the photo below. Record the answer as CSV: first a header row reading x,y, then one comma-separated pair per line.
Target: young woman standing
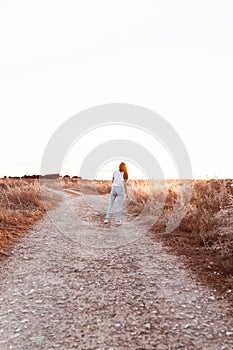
x,y
119,179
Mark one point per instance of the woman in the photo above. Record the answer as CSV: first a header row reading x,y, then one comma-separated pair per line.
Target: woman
x,y
119,179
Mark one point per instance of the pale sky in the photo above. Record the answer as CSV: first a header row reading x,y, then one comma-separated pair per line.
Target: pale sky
x,y
58,58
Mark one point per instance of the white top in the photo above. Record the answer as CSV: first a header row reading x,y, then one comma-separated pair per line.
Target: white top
x,y
118,178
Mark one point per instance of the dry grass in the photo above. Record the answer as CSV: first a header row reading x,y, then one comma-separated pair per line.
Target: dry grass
x,y
21,206
87,186
204,237
208,221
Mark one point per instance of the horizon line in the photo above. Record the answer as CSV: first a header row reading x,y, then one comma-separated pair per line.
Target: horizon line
x,y
56,176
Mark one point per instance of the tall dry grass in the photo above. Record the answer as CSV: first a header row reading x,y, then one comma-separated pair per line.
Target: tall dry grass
x,y
20,207
208,223
210,218
86,186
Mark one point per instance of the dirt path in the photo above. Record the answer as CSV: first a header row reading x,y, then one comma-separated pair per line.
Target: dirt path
x,y
75,283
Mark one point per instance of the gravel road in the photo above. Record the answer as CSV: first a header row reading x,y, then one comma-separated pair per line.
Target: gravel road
x,y
74,283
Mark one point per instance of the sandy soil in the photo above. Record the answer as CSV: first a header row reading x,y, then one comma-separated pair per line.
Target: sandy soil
x,y
74,283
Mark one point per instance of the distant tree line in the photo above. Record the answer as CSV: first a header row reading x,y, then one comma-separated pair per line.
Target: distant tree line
x,y
47,176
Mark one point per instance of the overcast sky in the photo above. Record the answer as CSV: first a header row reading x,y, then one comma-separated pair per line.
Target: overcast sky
x,y
58,58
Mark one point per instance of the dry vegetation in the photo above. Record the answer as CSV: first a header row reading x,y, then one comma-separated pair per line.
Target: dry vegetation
x,y
204,237
87,186
21,206
208,221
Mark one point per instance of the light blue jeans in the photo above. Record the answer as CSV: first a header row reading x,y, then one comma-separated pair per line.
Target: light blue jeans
x,y
116,191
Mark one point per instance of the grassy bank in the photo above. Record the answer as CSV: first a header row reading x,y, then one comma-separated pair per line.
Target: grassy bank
x,y
20,207
204,237
208,221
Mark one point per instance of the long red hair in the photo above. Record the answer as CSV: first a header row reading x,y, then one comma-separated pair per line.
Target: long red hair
x,y
123,168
